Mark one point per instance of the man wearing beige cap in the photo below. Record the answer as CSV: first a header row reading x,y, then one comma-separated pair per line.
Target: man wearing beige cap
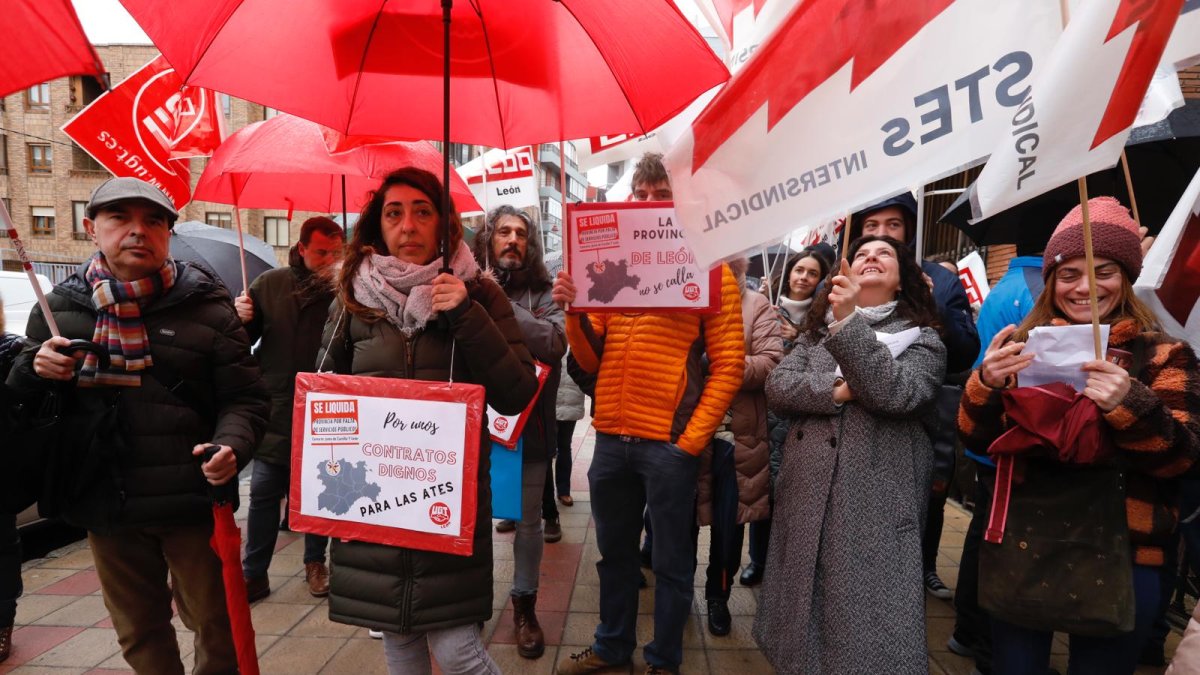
x,y
179,377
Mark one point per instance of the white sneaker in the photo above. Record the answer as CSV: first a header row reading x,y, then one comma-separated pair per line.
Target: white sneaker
x,y
377,634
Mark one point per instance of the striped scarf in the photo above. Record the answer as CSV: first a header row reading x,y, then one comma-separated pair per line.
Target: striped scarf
x,y
119,327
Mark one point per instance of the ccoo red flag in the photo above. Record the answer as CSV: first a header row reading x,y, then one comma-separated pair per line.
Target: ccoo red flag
x,y
147,126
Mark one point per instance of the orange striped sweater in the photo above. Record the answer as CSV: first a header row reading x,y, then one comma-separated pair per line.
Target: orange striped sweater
x,y
1155,426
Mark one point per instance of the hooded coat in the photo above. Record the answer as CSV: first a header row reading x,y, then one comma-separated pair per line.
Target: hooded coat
x,y
748,416
290,306
204,386
541,321
405,590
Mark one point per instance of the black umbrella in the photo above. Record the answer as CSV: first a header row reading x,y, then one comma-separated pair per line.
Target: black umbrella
x,y
216,249
1162,160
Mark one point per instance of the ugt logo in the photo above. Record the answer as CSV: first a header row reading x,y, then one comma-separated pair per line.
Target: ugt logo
x,y
439,514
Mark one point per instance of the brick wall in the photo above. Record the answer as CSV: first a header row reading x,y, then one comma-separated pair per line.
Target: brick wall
x,y
1189,81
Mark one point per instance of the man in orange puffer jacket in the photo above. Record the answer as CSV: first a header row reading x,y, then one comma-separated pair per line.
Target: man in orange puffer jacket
x,y
655,412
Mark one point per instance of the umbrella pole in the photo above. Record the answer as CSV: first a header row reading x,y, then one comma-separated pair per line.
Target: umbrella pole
x,y
28,266
1129,186
237,218
446,252
345,223
1090,263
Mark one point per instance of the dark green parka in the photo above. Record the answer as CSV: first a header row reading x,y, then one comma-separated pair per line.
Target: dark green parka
x,y
405,590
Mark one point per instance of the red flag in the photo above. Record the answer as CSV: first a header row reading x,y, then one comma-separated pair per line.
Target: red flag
x,y
148,126
43,40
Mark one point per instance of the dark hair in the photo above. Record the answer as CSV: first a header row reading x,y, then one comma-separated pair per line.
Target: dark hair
x,y
368,231
914,300
649,171
321,224
779,282
534,273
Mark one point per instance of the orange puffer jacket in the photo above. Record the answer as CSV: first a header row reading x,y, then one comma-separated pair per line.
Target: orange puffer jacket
x,y
651,382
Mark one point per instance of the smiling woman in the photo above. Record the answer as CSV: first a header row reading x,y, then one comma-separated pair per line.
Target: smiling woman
x,y
1147,407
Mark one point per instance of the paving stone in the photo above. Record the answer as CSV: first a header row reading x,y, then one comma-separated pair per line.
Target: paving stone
x,y
299,654
87,649
85,611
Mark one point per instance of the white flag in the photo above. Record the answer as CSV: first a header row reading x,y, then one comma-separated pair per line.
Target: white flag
x,y
511,178
1083,103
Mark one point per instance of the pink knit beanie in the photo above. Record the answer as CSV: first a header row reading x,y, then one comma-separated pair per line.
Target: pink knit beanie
x,y
1114,235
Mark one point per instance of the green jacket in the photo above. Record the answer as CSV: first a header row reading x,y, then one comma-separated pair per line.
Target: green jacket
x,y
289,314
406,590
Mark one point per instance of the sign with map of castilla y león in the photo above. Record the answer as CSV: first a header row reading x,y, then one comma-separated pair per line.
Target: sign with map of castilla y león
x,y
632,256
387,461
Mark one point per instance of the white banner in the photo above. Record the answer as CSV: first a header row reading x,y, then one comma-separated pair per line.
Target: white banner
x,y
1183,49
1082,105
743,24
811,129
593,152
1170,280
511,178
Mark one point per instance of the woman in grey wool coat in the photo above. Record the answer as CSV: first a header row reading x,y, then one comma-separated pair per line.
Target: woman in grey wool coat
x,y
842,592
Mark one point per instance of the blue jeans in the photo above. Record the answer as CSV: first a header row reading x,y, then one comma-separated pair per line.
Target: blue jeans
x,y
1017,650
268,486
628,474
528,543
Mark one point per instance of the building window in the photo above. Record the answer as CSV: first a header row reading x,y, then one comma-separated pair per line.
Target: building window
x,y
268,113
83,90
37,97
41,158
78,213
275,231
226,105
551,210
82,161
43,221
3,154
216,219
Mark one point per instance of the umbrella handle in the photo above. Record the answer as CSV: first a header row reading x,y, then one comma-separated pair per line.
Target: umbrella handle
x,y
220,494
89,347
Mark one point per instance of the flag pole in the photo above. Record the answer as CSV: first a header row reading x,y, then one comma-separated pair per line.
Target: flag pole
x,y
846,235
28,266
1090,263
1129,187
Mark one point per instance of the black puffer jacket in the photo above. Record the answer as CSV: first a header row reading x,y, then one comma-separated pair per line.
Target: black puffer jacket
x,y
405,590
201,352
290,306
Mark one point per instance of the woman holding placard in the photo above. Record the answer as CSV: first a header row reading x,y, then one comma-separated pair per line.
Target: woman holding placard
x,y
842,591
398,316
1142,400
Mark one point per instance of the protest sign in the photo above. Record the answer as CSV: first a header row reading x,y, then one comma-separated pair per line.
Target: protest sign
x,y
632,256
386,460
897,93
506,429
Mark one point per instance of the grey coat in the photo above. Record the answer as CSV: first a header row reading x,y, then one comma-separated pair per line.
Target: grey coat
x,y
842,592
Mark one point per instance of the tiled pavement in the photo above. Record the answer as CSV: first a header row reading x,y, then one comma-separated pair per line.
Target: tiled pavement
x,y
62,625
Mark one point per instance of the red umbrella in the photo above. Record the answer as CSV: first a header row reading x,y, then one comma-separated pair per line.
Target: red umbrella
x,y
284,163
226,541
521,71
43,40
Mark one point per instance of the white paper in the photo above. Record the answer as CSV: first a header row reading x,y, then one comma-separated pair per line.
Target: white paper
x,y
896,343
1059,354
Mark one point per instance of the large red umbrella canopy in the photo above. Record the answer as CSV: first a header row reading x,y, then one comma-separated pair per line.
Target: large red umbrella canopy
x,y
43,40
284,163
522,71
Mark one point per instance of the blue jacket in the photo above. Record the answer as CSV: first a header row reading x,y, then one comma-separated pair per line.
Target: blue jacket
x,y
960,336
1009,302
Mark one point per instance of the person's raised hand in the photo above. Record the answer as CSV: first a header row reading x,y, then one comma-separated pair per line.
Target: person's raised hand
x,y
843,293
448,292
1002,361
51,364
221,468
789,331
563,292
1107,384
245,307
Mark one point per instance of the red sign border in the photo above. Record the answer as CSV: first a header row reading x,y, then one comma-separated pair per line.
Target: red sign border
x,y
473,395
511,444
714,275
